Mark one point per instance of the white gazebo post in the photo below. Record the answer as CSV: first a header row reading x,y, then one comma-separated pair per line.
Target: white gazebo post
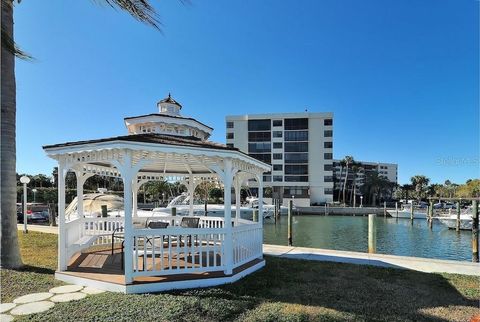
x,y
227,198
62,249
81,178
260,199
128,174
238,186
191,190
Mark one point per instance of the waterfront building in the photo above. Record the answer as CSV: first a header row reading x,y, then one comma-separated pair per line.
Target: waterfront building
x,y
299,146
388,171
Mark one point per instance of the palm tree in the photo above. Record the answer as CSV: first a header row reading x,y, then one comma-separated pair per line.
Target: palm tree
x,y
420,183
342,164
141,10
347,160
355,170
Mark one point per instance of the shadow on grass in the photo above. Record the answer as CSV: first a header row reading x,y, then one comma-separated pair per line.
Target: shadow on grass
x,y
36,269
364,292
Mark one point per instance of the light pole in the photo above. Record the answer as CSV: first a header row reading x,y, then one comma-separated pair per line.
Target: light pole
x,y
34,195
361,201
25,180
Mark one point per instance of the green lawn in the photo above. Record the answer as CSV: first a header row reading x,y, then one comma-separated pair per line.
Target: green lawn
x,y
285,290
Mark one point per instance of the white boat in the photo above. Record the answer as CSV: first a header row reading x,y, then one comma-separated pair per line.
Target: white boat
x,y
405,212
92,207
252,202
182,205
451,220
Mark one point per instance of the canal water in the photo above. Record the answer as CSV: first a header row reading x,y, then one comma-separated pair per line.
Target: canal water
x,y
395,237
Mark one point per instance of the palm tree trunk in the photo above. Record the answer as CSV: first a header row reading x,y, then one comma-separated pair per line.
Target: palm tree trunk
x,y
345,183
340,187
10,252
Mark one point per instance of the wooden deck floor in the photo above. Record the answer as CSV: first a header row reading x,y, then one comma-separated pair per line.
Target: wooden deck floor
x,y
101,265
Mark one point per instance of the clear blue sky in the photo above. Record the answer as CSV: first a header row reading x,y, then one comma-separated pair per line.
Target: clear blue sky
x,y
401,77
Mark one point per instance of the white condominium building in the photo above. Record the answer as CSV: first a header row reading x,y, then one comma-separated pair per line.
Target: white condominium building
x,y
299,146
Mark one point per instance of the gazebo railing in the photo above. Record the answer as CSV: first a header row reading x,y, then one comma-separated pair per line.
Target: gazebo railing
x,y
178,250
173,250
247,243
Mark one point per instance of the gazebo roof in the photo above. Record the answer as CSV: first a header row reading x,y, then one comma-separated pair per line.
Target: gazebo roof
x,y
151,138
158,154
167,115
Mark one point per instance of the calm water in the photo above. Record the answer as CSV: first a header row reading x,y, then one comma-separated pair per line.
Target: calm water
x,y
393,237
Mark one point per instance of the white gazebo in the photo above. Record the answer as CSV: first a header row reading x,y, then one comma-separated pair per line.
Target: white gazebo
x,y
159,146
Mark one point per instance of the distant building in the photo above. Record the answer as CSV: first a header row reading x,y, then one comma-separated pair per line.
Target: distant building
x,y
299,146
387,170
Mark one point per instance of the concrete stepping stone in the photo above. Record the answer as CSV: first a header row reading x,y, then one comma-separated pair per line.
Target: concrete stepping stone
x,y
6,318
68,297
91,291
5,307
34,297
31,308
66,289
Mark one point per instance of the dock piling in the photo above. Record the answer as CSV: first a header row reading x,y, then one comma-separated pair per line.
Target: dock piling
x,y
290,214
174,213
385,209
430,215
372,234
255,212
411,213
475,231
457,227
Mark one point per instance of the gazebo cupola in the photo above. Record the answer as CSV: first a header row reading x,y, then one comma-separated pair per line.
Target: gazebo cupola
x,y
169,106
168,121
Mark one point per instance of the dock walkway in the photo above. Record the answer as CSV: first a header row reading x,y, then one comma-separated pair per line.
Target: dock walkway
x,y
427,265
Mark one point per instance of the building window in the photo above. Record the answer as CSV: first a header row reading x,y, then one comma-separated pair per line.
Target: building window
x,y
296,169
327,167
328,191
328,156
277,178
230,145
296,124
277,134
277,145
229,125
328,122
296,136
327,179
229,135
328,145
277,122
296,157
259,136
296,147
296,178
277,156
259,147
266,157
259,125
295,191
328,133
267,178
277,167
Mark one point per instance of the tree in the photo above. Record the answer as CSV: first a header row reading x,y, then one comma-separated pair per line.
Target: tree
x,y
347,160
374,186
420,184
141,10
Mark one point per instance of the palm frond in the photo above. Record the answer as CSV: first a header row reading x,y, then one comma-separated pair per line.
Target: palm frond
x,y
12,47
141,10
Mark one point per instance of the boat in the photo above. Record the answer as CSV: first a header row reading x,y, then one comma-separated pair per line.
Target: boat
x,y
182,205
405,212
450,221
252,202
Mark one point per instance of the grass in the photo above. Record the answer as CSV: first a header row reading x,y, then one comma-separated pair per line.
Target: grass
x,y
285,290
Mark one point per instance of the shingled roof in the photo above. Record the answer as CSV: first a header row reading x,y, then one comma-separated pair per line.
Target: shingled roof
x,y
152,138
